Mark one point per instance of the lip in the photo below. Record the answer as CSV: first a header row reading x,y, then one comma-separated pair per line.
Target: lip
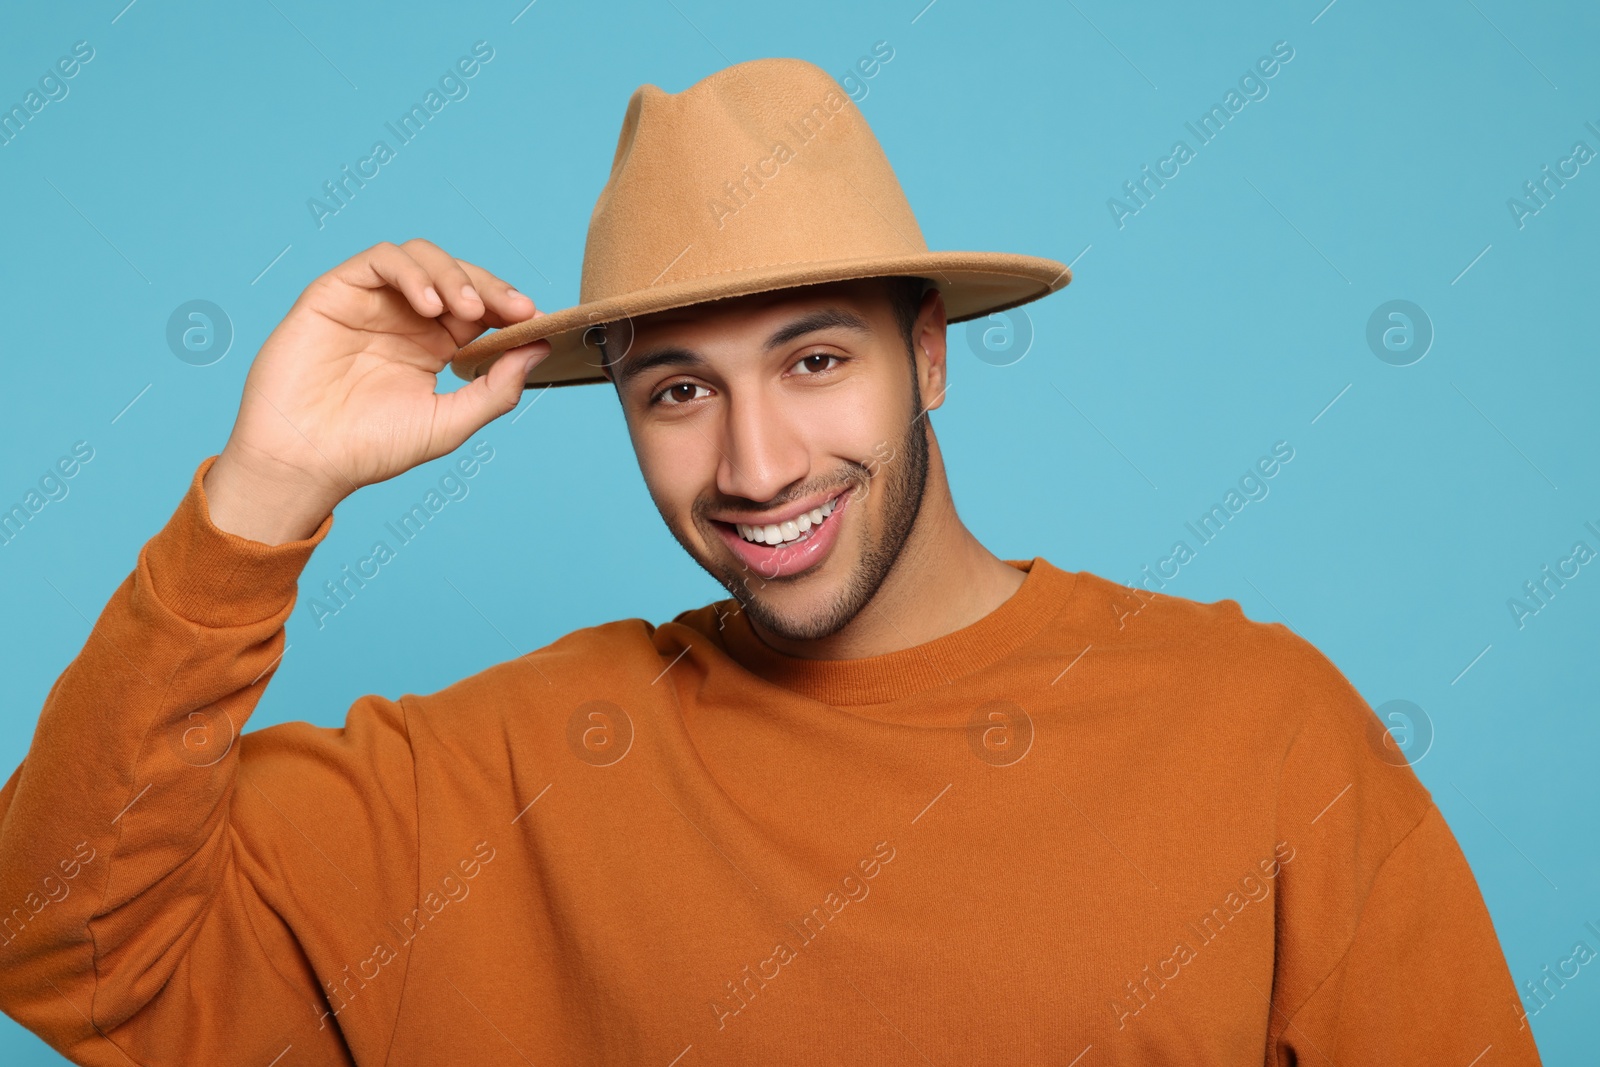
x,y
796,557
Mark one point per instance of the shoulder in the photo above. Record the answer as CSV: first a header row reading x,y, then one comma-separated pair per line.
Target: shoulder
x,y
1238,676
1209,643
515,721
1256,705
587,660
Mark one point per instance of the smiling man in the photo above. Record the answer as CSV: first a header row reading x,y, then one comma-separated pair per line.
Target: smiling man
x,y
894,800
755,460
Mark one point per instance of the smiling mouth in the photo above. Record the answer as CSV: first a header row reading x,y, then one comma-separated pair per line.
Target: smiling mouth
x,y
785,533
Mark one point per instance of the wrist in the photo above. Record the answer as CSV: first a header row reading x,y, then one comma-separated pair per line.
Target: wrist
x,y
214,578
259,506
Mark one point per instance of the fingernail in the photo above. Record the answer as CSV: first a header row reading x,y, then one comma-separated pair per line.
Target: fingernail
x,y
513,294
470,293
432,295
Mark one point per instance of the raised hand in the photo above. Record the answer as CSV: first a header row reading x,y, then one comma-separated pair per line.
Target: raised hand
x,y
341,395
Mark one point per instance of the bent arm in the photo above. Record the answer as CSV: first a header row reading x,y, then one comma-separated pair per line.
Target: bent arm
x,y
166,883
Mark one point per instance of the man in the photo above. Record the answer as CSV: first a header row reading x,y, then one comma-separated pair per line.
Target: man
x,y
895,800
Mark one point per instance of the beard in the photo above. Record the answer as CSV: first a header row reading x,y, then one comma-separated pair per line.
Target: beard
x,y
902,483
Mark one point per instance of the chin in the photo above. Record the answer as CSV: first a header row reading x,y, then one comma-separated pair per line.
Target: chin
x,y
817,604
808,616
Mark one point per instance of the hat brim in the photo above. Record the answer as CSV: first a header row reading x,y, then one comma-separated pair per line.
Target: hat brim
x,y
972,283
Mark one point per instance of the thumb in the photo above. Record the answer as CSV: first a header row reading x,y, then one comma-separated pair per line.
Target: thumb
x,y
484,399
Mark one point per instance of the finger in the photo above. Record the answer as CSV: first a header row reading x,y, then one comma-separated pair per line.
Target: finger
x,y
463,331
504,303
387,264
464,412
450,281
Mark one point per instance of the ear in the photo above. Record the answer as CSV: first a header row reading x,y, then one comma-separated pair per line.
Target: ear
x,y
928,336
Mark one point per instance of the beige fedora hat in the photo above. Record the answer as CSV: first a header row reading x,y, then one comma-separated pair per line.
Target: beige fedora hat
x,y
761,176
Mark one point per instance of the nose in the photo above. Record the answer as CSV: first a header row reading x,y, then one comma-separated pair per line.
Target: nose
x,y
763,450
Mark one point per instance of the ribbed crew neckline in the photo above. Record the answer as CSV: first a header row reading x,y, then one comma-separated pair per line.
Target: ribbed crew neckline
x,y
904,673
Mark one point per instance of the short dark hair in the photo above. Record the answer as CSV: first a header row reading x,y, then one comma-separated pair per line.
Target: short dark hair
x,y
905,300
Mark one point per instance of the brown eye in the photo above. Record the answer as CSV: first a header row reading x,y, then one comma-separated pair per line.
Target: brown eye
x,y
813,367
677,393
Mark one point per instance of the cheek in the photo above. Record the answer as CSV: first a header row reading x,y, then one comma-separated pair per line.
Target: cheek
x,y
874,403
872,423
678,465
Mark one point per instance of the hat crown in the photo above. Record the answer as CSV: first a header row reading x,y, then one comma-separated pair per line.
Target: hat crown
x,y
761,176
759,165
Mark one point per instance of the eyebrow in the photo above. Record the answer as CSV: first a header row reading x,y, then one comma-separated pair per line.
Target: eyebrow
x,y
824,319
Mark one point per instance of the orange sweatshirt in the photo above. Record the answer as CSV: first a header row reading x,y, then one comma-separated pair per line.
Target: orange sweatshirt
x,y
1094,827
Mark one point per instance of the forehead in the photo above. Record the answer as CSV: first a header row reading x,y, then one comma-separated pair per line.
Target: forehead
x,y
685,336
757,309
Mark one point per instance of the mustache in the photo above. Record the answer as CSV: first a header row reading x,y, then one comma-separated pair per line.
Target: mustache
x,y
857,474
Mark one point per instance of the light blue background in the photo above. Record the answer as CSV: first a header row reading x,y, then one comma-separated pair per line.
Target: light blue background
x,y
1228,314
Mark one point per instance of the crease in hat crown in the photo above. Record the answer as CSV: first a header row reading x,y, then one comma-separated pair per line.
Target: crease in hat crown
x,y
763,175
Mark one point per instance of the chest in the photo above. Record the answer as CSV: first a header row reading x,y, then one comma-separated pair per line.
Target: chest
x,y
909,901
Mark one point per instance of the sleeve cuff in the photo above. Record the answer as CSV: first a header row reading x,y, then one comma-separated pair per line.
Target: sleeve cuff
x,y
215,578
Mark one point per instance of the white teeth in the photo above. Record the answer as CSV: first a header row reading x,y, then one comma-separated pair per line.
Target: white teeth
x,y
778,533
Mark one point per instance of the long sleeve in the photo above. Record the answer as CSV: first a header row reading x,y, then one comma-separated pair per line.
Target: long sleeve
x,y
176,890
1386,952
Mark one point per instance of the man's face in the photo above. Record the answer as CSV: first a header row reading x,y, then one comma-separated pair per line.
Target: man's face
x,y
756,417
